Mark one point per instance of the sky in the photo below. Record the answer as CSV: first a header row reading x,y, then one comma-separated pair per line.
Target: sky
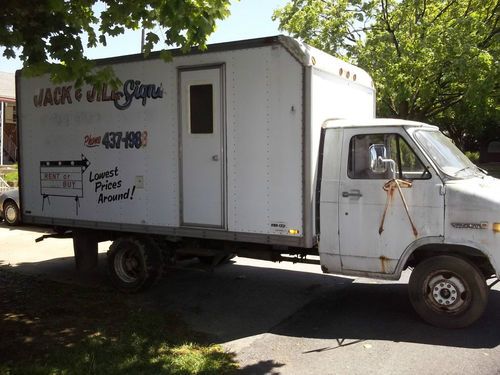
x,y
248,19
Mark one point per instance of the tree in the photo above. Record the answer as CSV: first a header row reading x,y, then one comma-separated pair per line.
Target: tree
x,y
51,32
431,60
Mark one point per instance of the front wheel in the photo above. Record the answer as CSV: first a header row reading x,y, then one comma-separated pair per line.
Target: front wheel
x,y
448,291
134,264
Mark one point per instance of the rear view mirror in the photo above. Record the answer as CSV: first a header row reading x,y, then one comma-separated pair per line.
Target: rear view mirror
x,y
378,153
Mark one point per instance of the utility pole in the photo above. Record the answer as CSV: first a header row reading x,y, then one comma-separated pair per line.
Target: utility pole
x,y
142,39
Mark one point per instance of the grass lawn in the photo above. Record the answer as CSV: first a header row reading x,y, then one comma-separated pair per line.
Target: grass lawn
x,y
55,328
11,177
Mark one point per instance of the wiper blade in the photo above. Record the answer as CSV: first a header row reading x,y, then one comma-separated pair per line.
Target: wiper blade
x,y
461,170
482,170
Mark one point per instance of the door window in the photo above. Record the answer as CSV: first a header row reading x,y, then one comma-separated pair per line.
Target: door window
x,y
201,109
408,165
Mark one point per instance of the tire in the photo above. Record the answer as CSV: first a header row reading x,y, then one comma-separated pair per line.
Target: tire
x,y
134,264
448,291
11,213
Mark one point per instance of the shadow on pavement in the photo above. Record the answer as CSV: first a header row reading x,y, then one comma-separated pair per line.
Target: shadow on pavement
x,y
237,301
383,312
63,270
262,367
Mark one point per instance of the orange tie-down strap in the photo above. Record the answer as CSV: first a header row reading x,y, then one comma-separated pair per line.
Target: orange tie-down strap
x,y
389,187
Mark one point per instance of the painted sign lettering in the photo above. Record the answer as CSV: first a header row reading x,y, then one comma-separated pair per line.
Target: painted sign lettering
x,y
106,183
132,90
135,90
53,96
115,140
62,178
91,141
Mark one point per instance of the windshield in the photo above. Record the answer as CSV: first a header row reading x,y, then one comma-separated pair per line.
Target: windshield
x,y
445,154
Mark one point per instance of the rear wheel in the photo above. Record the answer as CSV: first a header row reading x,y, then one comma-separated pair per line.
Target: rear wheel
x,y
448,291
11,213
134,264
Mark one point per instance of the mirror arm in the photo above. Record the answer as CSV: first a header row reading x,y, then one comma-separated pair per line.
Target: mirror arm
x,y
392,163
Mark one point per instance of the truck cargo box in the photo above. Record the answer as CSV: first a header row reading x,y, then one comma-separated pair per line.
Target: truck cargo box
x,y
218,144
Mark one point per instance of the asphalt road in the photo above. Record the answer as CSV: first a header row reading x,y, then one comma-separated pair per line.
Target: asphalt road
x,y
291,319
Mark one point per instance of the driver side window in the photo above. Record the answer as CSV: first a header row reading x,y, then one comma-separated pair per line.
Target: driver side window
x,y
408,165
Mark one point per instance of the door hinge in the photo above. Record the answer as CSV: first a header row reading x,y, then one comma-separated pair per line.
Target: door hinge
x,y
442,190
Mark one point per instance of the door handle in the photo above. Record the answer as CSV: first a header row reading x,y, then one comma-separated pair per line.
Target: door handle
x,y
215,158
352,193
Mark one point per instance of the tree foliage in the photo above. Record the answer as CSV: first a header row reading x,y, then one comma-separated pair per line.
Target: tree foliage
x,y
52,33
431,60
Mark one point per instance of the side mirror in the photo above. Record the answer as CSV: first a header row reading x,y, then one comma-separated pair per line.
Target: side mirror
x,y
378,153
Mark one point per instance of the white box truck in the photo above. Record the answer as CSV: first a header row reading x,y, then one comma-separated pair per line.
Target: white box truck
x,y
239,150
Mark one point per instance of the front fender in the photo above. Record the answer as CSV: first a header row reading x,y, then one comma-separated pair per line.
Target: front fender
x,y
494,261
441,244
423,241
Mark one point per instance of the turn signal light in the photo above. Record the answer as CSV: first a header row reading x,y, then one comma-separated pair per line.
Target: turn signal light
x,y
296,231
496,227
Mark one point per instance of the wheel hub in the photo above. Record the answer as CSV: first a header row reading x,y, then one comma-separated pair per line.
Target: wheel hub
x,y
444,293
131,264
10,214
127,266
447,292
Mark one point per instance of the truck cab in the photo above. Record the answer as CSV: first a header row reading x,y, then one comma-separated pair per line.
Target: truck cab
x,y
396,194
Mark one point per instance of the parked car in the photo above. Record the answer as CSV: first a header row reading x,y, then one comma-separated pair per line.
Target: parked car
x,y
10,207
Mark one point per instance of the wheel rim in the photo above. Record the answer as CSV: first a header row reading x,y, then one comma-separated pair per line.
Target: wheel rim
x,y
10,214
128,265
446,291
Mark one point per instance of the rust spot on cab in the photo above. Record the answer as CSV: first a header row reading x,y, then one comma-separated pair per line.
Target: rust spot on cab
x,y
383,264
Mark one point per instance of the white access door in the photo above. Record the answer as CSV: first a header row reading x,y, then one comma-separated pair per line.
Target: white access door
x,y
202,153
370,241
